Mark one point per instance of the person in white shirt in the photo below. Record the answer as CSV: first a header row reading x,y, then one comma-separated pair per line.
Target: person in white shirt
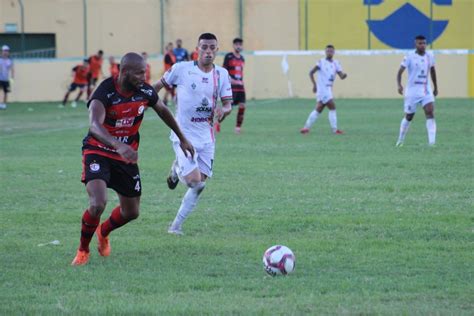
x,y
420,64
6,67
327,69
199,86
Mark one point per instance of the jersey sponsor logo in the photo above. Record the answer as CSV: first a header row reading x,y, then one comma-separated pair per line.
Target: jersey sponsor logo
x,y
122,139
204,109
125,122
94,167
201,119
116,101
205,80
148,92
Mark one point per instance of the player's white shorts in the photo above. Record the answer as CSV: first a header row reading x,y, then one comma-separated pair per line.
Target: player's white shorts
x,y
324,95
203,159
411,102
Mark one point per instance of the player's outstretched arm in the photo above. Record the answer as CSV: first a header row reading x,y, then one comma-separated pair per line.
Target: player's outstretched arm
x,y
226,109
342,75
311,77
399,79
158,86
96,128
165,114
435,80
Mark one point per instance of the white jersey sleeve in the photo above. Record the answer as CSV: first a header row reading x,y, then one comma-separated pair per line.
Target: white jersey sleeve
x,y
172,76
431,59
405,62
319,64
337,64
225,88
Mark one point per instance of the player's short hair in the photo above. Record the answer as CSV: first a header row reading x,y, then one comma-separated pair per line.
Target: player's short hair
x,y
207,36
329,46
420,37
101,52
237,40
85,60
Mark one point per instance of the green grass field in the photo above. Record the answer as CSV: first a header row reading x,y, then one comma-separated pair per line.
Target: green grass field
x,y
375,229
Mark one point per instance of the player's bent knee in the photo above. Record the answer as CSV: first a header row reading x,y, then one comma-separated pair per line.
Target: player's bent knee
x,y
409,117
198,187
96,208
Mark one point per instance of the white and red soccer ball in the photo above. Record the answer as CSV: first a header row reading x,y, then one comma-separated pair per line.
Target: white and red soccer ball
x,y
279,260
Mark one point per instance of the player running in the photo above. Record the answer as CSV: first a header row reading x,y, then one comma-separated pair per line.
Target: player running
x,y
420,64
6,67
169,60
327,69
234,63
109,152
95,65
80,74
199,85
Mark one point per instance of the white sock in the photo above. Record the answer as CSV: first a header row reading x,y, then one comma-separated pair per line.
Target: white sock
x,y
313,116
404,125
333,120
188,204
431,128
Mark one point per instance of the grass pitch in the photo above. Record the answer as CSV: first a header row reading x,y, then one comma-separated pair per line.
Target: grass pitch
x,y
375,229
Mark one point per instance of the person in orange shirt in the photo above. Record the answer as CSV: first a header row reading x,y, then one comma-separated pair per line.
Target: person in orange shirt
x,y
169,61
95,65
114,67
148,68
194,55
80,73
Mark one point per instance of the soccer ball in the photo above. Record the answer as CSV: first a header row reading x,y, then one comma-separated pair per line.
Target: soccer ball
x,y
279,260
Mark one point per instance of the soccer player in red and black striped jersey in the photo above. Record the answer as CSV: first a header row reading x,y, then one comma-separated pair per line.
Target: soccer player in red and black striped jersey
x,y
109,150
80,73
234,63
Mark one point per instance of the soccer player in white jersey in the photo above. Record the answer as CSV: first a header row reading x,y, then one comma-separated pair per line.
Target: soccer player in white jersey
x,y
199,86
327,69
420,64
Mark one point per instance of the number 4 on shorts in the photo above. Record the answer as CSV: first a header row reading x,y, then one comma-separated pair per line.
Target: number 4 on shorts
x,y
137,186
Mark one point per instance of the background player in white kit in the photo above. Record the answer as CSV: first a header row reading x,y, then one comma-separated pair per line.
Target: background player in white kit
x,y
419,64
327,69
199,85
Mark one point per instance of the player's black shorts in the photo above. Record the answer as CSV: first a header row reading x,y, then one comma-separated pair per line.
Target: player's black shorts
x,y
74,86
5,85
238,97
123,178
93,81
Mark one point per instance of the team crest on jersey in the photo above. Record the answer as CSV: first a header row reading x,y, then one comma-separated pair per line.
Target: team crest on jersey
x,y
141,109
94,167
193,86
148,92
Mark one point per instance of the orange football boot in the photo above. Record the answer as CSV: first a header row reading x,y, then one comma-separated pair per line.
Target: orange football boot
x,y
103,245
82,257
